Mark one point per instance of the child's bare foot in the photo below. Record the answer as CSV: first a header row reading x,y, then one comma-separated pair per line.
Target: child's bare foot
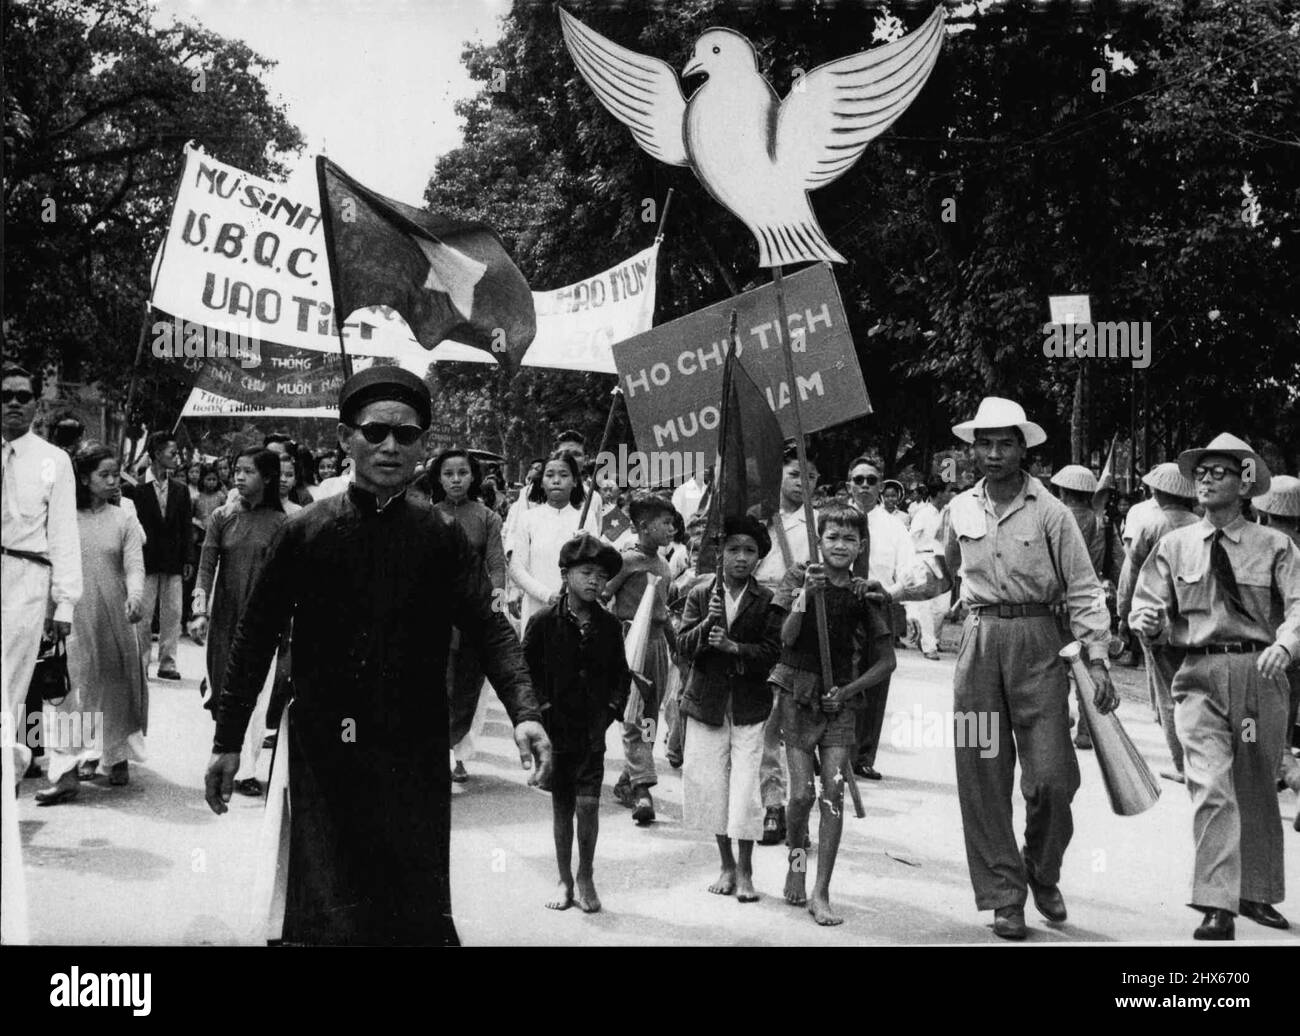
x,y
585,896
563,898
745,888
795,889
726,883
820,908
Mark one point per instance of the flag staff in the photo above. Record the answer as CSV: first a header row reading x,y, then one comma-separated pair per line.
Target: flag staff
x,y
148,306
331,263
823,631
615,393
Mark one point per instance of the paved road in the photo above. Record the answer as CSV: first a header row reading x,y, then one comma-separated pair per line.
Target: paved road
x,y
150,864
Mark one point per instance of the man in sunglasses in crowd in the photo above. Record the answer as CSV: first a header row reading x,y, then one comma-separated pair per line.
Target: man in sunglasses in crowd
x,y
888,552
1227,591
41,556
374,583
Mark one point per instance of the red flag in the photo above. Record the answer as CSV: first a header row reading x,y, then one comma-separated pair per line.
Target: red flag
x,y
751,449
446,278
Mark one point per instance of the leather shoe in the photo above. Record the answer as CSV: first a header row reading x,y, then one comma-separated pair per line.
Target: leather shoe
x,y
1083,741
773,826
644,813
65,790
1009,922
1262,913
168,674
1218,926
866,772
1048,900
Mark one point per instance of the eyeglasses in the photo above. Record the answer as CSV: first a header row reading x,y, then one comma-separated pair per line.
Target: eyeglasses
x,y
1218,472
865,480
376,432
20,396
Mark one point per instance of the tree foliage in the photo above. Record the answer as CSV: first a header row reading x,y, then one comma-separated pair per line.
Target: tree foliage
x,y
99,101
1102,149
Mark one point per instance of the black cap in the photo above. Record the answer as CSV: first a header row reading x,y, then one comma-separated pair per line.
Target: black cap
x,y
747,525
385,383
586,549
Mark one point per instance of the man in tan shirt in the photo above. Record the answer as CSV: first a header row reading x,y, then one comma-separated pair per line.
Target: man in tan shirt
x,y
1020,554
1228,591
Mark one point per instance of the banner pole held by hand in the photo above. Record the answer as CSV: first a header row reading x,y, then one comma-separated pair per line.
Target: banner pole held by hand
x,y
615,392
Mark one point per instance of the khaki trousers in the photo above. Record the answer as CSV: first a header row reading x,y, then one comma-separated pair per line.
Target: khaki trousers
x,y
1231,721
1009,669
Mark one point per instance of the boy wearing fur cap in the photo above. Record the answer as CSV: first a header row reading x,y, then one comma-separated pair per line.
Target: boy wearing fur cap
x,y
574,651
1228,592
732,636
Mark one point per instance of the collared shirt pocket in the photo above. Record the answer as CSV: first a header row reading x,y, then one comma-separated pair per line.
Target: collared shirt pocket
x,y
1192,592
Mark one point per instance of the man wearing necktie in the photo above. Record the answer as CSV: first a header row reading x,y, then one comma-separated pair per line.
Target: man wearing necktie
x,y
1228,592
41,547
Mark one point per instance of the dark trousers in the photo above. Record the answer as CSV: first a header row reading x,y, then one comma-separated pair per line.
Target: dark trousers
x,y
870,721
464,684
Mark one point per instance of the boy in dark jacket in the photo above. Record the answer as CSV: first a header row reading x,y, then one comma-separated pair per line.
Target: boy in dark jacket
x,y
732,635
574,651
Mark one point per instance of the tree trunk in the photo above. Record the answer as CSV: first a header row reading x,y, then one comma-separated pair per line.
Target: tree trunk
x,y
1078,417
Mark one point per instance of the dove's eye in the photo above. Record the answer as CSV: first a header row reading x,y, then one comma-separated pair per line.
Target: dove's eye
x,y
717,50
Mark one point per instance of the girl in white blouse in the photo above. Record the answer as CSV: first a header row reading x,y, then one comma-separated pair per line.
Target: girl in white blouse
x,y
533,548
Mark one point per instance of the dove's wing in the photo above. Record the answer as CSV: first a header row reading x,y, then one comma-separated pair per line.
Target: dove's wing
x,y
837,109
641,92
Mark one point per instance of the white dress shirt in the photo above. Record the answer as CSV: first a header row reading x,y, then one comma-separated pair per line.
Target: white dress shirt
x,y
687,496
925,527
771,570
892,552
40,514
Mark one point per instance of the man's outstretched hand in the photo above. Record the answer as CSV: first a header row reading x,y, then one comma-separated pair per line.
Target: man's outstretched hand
x,y
534,750
219,784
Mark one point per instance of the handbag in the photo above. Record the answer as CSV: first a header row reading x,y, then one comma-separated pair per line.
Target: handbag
x,y
50,677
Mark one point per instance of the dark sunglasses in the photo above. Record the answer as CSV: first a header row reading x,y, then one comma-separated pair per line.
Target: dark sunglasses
x,y
375,432
865,480
1218,472
21,396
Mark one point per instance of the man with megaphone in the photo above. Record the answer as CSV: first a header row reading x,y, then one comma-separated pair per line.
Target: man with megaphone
x,y
1021,556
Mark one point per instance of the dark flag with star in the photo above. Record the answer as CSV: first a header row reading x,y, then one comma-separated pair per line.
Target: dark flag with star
x,y
751,449
446,278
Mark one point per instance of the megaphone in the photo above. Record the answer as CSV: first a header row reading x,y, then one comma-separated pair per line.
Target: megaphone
x,y
1130,785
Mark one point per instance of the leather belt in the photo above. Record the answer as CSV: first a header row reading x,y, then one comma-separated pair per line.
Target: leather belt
x,y
1015,611
27,555
1239,647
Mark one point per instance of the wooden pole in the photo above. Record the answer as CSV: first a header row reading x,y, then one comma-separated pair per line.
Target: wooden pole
x,y
615,393
823,631
663,215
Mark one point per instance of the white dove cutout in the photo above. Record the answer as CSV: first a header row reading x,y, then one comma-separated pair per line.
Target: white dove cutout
x,y
757,155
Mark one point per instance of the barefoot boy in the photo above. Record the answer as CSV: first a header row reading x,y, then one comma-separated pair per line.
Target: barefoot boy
x,y
731,635
814,718
574,650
